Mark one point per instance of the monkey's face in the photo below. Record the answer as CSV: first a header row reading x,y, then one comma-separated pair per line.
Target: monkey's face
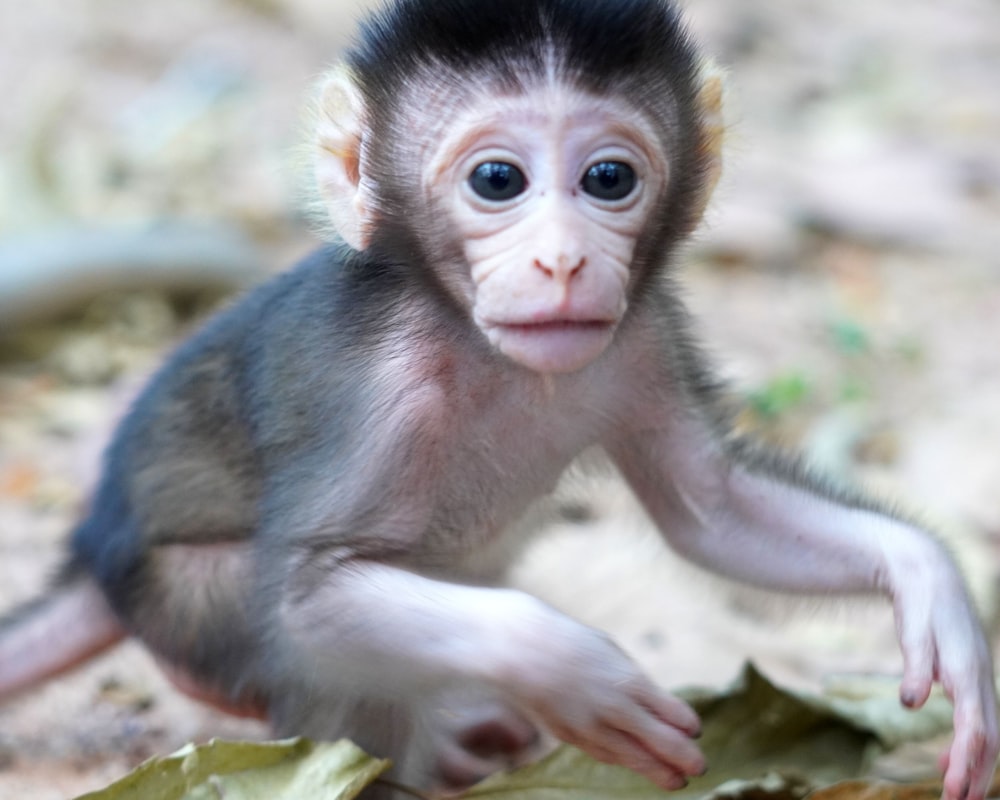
x,y
548,191
533,203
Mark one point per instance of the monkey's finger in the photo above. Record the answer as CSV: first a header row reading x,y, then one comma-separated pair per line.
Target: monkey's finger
x,y
673,711
666,743
918,665
969,764
962,782
616,747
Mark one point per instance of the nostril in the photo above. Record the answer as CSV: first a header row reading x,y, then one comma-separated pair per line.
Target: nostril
x,y
579,267
548,271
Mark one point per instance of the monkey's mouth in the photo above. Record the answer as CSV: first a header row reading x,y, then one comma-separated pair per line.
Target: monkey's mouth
x,y
557,345
559,326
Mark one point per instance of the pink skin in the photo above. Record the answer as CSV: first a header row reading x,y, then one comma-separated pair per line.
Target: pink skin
x,y
746,524
586,692
777,536
474,736
572,679
549,273
550,267
184,682
73,626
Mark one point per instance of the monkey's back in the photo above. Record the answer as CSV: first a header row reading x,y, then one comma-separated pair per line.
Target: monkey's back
x,y
169,533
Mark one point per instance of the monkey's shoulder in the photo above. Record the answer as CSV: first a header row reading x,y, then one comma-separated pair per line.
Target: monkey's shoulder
x,y
307,314
273,365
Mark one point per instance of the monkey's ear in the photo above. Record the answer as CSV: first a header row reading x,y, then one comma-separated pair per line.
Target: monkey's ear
x,y
710,95
340,138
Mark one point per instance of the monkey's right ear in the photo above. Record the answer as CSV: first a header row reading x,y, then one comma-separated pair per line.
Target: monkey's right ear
x,y
710,102
340,169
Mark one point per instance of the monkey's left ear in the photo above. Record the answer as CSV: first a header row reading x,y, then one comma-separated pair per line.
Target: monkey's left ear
x,y
340,137
710,105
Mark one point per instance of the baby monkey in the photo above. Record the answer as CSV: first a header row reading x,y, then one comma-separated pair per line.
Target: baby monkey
x,y
307,514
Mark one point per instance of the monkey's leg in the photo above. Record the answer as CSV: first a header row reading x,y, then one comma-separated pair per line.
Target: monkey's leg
x,y
759,520
387,632
190,605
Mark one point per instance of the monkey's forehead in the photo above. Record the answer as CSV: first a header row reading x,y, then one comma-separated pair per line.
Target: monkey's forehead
x,y
432,104
544,110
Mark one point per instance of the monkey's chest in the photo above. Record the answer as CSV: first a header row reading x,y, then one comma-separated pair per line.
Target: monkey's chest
x,y
491,495
475,457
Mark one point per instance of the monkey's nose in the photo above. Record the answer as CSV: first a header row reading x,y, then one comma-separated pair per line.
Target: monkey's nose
x,y
565,268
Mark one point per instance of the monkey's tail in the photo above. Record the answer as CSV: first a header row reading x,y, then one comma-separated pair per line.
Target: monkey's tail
x,y
51,635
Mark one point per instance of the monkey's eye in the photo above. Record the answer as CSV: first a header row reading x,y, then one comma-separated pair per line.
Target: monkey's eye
x,y
497,181
608,180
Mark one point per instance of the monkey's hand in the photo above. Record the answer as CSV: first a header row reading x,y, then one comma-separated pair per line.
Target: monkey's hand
x,y
942,640
588,693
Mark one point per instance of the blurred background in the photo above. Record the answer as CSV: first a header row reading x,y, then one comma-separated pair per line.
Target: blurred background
x,y
847,280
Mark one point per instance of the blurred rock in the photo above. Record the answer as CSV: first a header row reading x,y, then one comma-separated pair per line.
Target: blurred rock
x,y
54,271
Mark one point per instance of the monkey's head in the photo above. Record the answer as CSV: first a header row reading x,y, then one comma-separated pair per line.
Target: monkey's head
x,y
538,159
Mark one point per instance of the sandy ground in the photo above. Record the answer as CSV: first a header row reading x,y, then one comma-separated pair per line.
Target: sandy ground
x,y
847,276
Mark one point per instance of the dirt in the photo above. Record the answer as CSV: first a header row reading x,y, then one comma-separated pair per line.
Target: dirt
x,y
847,280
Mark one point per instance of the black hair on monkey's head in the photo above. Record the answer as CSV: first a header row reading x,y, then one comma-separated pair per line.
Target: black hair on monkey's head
x,y
600,45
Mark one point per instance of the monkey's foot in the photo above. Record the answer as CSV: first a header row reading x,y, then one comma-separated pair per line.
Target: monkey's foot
x,y
474,744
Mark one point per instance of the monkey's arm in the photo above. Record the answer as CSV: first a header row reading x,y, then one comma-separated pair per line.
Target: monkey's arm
x,y
766,523
382,630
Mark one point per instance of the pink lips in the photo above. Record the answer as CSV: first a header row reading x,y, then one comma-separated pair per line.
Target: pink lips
x,y
554,345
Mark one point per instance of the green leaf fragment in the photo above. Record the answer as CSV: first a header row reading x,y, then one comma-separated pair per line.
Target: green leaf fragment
x,y
779,395
761,742
292,769
849,337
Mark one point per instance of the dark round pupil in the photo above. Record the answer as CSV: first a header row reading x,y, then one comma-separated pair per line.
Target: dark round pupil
x,y
609,180
497,180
